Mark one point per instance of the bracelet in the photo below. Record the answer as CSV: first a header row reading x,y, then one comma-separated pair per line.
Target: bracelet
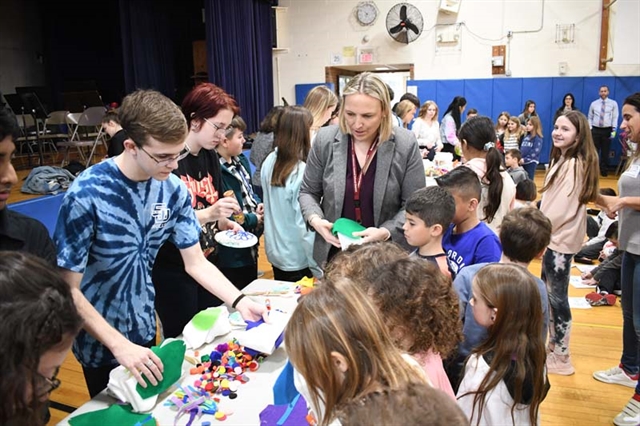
x,y
238,299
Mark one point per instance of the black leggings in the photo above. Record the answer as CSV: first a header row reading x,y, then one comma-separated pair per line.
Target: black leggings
x,y
178,298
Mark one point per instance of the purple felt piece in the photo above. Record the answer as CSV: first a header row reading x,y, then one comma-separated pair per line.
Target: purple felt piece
x,y
274,415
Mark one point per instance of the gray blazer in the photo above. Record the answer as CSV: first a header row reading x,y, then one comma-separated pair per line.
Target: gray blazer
x,y
399,172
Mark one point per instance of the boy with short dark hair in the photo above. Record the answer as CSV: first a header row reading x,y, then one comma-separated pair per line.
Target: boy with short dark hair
x,y
606,276
468,240
415,404
429,212
111,126
525,233
512,160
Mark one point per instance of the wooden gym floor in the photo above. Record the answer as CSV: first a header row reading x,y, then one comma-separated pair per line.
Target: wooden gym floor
x,y
596,344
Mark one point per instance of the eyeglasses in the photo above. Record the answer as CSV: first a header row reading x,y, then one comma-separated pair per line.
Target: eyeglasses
x,y
48,385
218,128
166,161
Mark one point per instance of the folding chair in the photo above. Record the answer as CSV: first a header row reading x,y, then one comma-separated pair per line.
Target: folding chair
x,y
91,118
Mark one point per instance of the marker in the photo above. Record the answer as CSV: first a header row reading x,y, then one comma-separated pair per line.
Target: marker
x,y
267,302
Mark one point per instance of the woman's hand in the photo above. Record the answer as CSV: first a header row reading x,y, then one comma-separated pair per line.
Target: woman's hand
x,y
373,234
323,227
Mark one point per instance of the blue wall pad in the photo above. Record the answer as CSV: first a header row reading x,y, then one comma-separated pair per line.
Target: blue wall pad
x,y
45,209
303,89
494,95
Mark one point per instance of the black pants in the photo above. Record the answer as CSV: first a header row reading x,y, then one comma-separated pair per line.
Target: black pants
x,y
97,378
592,251
292,276
178,298
602,141
241,277
609,280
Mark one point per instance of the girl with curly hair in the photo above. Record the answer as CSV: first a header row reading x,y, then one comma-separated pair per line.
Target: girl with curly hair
x,y
421,313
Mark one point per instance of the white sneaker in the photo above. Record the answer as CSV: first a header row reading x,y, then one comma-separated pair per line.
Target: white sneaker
x,y
630,415
615,375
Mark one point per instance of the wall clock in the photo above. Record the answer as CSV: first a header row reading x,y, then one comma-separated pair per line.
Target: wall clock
x,y
404,23
366,13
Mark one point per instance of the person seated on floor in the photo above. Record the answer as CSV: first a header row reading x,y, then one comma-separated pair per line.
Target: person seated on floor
x,y
606,276
39,323
596,230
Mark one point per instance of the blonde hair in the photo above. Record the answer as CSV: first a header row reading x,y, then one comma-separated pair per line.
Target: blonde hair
x,y
147,113
339,317
318,100
537,125
519,131
369,84
403,108
425,106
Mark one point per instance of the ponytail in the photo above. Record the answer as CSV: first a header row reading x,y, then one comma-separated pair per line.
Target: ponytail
x,y
494,179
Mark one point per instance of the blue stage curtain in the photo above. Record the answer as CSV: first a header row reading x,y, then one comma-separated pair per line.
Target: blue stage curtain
x,y
239,54
147,45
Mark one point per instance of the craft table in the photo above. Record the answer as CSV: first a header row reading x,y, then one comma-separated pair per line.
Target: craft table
x,y
253,396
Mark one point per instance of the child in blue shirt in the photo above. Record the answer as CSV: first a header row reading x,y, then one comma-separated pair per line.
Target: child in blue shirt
x,y
468,240
429,212
524,235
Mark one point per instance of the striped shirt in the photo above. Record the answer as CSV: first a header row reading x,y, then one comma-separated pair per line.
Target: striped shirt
x,y
110,229
610,117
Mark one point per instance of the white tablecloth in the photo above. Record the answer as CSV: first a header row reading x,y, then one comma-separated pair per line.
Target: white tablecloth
x,y
253,396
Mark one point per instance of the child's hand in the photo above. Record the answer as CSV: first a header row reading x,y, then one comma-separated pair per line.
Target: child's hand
x,y
586,275
260,209
222,208
225,224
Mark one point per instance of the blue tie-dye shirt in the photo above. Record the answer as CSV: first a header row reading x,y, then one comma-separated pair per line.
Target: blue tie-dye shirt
x,y
110,229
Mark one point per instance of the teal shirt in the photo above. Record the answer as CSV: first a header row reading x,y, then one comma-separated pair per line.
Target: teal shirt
x,y
289,244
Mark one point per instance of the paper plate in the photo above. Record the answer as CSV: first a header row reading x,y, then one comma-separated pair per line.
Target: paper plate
x,y
240,239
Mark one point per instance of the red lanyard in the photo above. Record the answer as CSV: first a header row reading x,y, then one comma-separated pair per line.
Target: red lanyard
x,y
357,176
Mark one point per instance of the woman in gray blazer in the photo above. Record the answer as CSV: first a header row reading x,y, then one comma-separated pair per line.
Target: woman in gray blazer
x,y
364,169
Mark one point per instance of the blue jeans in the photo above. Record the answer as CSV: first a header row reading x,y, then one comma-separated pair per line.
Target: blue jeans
x,y
530,168
556,270
630,279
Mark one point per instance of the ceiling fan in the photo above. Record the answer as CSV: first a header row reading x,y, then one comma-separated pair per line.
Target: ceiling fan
x,y
404,23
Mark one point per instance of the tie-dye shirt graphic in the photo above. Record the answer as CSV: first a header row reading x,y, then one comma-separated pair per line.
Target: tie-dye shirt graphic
x,y
110,229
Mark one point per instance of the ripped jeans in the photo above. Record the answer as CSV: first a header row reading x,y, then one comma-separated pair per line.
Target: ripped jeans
x,y
556,270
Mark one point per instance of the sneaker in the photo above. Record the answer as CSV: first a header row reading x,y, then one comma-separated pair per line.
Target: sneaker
x,y
558,364
617,292
630,414
598,299
616,376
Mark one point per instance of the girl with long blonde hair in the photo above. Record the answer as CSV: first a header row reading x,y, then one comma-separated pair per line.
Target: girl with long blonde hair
x,y
320,101
341,350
